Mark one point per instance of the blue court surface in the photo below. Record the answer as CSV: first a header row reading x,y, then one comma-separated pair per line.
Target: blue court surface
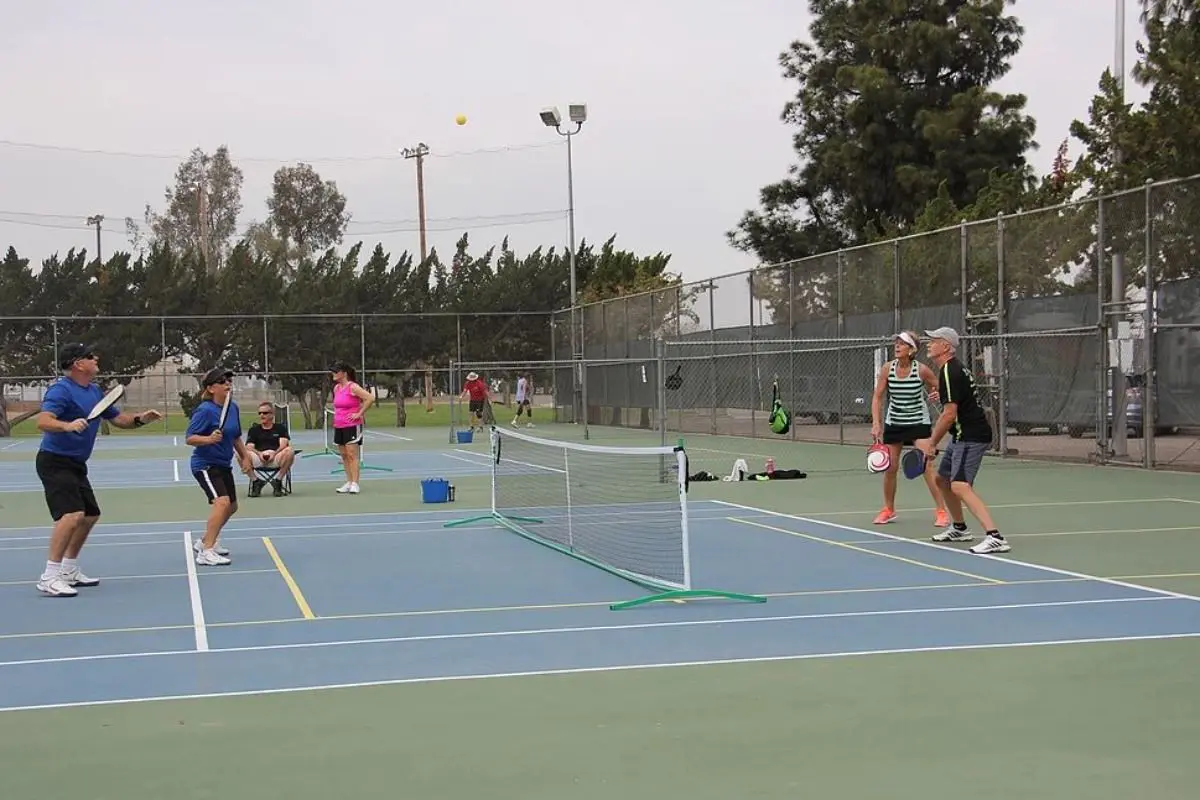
x,y
358,599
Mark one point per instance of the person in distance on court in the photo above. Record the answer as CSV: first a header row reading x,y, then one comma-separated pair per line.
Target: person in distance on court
x,y
524,399
905,382
212,460
971,435
268,444
476,389
68,440
350,404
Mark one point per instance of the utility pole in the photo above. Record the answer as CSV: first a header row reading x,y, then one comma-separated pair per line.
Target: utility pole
x,y
96,219
419,152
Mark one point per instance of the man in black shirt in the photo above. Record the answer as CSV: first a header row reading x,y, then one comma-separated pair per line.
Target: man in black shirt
x,y
268,444
971,438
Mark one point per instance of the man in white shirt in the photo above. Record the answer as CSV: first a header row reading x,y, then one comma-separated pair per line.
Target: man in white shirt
x,y
524,393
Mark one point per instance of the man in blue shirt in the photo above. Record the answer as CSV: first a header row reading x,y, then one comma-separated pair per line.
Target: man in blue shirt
x,y
212,460
68,440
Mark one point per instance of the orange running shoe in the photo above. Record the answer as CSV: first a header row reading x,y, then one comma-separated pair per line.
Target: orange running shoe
x,y
885,516
941,519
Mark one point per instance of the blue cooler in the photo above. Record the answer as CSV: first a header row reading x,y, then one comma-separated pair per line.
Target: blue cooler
x,y
465,437
436,490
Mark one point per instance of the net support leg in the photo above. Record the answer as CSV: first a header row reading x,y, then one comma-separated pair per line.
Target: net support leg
x,y
683,595
324,451
499,518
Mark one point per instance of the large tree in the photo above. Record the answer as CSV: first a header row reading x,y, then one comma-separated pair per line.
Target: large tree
x,y
1127,145
202,208
306,213
893,104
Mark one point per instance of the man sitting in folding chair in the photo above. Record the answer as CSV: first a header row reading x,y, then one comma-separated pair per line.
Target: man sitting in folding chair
x,y
271,453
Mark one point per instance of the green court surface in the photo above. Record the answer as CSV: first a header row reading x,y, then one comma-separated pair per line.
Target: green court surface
x,y
1112,717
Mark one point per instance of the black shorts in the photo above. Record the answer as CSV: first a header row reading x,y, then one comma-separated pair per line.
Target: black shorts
x,y
906,435
66,485
351,435
476,406
217,482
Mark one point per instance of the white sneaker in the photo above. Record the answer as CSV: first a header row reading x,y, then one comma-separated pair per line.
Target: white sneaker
x,y
952,535
211,558
991,544
354,488
344,488
198,545
77,578
56,586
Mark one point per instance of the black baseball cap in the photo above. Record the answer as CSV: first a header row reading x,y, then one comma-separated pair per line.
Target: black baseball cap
x,y
72,352
215,375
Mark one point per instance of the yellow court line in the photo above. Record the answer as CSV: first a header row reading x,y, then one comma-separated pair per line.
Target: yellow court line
x,y
288,579
910,561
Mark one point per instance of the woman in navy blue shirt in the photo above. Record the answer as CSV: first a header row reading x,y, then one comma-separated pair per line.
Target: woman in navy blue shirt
x,y
212,461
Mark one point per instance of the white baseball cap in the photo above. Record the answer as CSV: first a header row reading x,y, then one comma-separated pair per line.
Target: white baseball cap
x,y
948,335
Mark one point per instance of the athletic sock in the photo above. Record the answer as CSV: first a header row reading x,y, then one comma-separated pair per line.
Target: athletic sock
x,y
995,534
69,564
960,526
53,568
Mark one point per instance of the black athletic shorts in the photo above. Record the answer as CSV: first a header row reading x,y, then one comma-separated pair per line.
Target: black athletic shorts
x,y
217,482
906,435
65,482
351,435
476,406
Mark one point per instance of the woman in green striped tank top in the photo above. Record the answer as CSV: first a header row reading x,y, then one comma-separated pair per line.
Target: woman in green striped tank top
x,y
908,385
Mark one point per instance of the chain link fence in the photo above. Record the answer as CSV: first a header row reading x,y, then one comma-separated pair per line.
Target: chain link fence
x,y
405,359
1080,322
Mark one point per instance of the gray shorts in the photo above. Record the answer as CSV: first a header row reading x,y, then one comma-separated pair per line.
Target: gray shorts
x,y
961,461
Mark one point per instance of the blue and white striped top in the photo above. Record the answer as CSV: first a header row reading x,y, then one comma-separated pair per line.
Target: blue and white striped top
x,y
906,397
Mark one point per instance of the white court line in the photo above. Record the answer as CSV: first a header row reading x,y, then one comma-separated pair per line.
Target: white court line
x,y
953,648
284,518
464,460
285,528
504,634
338,531
175,441
1182,500
1054,504
165,575
12,445
390,436
1053,533
1002,558
194,592
175,464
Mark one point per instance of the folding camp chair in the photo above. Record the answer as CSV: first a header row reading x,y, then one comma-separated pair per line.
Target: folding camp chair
x,y
268,473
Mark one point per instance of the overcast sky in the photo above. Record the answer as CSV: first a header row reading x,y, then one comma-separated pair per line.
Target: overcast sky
x,y
684,101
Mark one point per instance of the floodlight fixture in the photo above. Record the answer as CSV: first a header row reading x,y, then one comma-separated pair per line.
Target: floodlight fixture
x,y
550,117
577,112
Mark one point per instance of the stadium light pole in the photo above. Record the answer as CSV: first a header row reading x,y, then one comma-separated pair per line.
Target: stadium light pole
x,y
551,118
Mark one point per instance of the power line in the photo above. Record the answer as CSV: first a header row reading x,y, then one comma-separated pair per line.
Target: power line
x,y
515,216
274,160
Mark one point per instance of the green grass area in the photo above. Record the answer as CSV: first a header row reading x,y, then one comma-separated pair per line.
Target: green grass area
x,y
1096,721
1099,720
382,416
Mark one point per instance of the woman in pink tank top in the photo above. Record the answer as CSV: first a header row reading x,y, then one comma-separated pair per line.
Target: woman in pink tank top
x,y
350,403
